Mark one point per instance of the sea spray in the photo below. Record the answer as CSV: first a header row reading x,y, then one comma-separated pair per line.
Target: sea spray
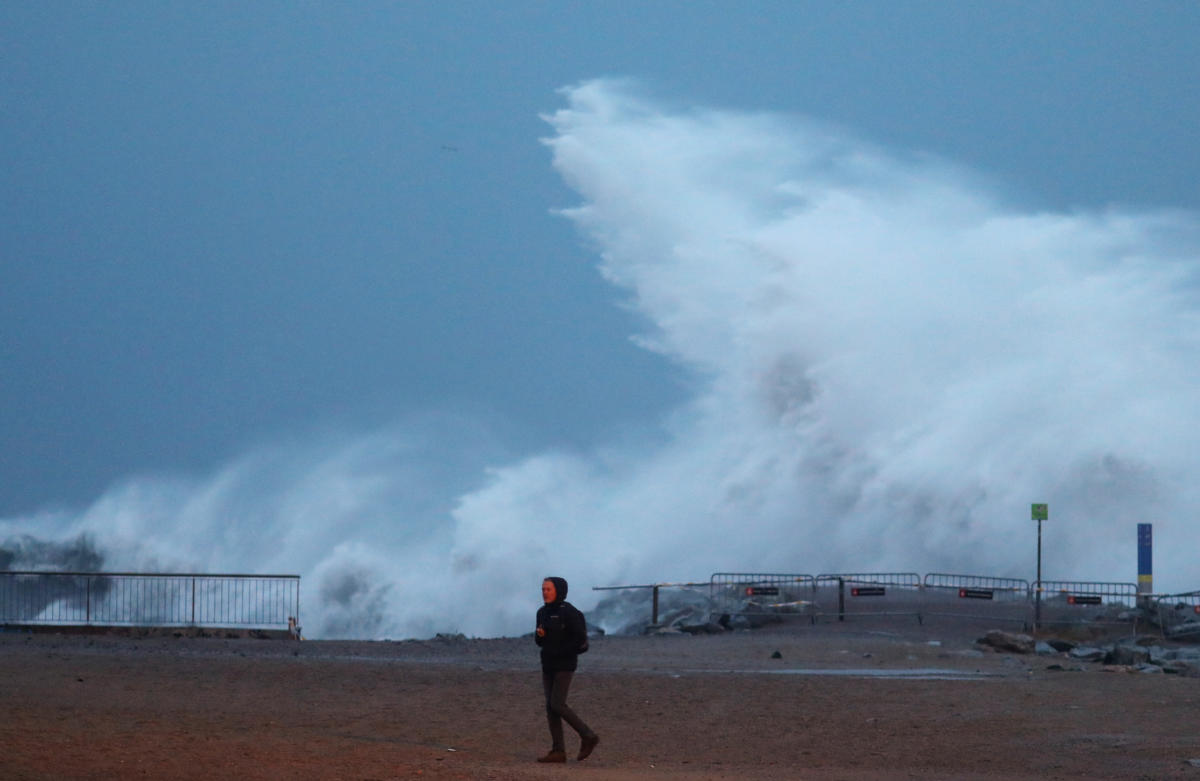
x,y
889,361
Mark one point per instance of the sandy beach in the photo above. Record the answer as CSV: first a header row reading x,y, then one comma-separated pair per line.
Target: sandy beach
x,y
787,702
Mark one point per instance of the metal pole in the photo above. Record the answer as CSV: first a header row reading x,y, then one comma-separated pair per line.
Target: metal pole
x,y
654,608
1037,596
841,600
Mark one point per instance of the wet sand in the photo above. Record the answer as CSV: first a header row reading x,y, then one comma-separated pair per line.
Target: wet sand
x,y
840,702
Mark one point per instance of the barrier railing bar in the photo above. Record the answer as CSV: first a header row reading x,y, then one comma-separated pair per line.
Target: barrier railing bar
x,y
147,599
148,575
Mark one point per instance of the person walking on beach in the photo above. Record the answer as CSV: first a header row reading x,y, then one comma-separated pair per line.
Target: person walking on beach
x,y
562,635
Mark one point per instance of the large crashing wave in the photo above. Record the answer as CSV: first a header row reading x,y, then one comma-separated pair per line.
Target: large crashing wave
x,y
890,364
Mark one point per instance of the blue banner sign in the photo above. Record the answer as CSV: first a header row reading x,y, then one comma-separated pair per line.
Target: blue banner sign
x,y
1145,563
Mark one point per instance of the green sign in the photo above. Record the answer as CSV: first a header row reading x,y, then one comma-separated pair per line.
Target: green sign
x,y
1041,512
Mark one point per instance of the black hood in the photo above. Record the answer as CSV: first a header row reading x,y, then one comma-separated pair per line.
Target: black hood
x,y
560,588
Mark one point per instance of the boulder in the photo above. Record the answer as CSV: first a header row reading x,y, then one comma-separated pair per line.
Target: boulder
x,y
1087,653
1008,641
757,620
738,621
1145,640
1158,654
1128,655
1188,630
1177,667
1189,654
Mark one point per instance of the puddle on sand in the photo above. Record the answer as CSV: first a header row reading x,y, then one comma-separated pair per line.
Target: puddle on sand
x,y
915,674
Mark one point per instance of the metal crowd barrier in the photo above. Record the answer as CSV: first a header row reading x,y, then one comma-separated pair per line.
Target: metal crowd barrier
x,y
980,598
1177,613
977,597
739,593
143,599
868,594
1064,602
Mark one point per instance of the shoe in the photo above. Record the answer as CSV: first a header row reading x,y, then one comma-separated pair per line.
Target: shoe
x,y
586,746
554,756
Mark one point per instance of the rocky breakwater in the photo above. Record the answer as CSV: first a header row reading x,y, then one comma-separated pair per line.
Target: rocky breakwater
x,y
1139,654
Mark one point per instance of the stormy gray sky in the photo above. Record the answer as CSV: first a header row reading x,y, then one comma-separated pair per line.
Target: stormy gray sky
x,y
223,225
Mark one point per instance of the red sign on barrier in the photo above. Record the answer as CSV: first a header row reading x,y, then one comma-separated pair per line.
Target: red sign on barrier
x,y
975,593
867,591
767,591
1078,599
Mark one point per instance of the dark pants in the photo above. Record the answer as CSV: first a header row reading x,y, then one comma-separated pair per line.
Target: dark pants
x,y
556,685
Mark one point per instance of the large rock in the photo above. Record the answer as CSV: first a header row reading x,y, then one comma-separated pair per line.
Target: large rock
x,y
1177,667
1158,654
1131,655
733,623
1188,630
1088,653
1189,654
1008,641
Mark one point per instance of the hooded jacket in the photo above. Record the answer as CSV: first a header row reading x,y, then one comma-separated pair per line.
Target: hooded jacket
x,y
566,631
